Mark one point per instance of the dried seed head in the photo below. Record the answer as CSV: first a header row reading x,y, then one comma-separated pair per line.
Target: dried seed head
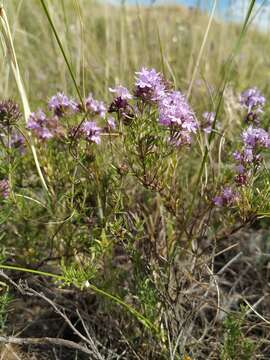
x,y
9,113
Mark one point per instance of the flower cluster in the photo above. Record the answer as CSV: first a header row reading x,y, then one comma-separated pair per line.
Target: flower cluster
x,y
227,197
254,140
151,89
91,131
43,128
95,107
4,189
173,108
150,85
253,101
46,127
175,112
61,105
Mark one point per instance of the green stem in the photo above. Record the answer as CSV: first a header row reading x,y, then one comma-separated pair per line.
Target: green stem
x,y
31,271
148,324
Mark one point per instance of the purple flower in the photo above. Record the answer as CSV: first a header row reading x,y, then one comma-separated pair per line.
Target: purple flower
x,y
246,156
60,104
256,137
36,120
4,189
227,197
91,131
150,85
121,92
249,157
42,127
174,110
252,99
95,107
245,160
209,118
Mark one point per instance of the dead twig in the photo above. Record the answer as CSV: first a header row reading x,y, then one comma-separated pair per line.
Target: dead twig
x,y
24,289
45,341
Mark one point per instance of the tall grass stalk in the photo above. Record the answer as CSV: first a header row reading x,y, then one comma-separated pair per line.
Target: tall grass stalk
x,y
8,43
202,48
81,61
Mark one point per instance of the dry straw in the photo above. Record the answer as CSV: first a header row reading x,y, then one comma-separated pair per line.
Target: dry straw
x,y
8,45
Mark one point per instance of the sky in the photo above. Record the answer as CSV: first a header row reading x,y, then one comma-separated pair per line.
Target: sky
x,y
223,3
232,9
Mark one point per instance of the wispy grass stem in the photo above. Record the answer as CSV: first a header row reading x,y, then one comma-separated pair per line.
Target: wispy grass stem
x,y
8,43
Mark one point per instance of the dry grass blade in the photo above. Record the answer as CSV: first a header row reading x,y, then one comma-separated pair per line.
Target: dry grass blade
x,y
202,48
8,44
255,311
